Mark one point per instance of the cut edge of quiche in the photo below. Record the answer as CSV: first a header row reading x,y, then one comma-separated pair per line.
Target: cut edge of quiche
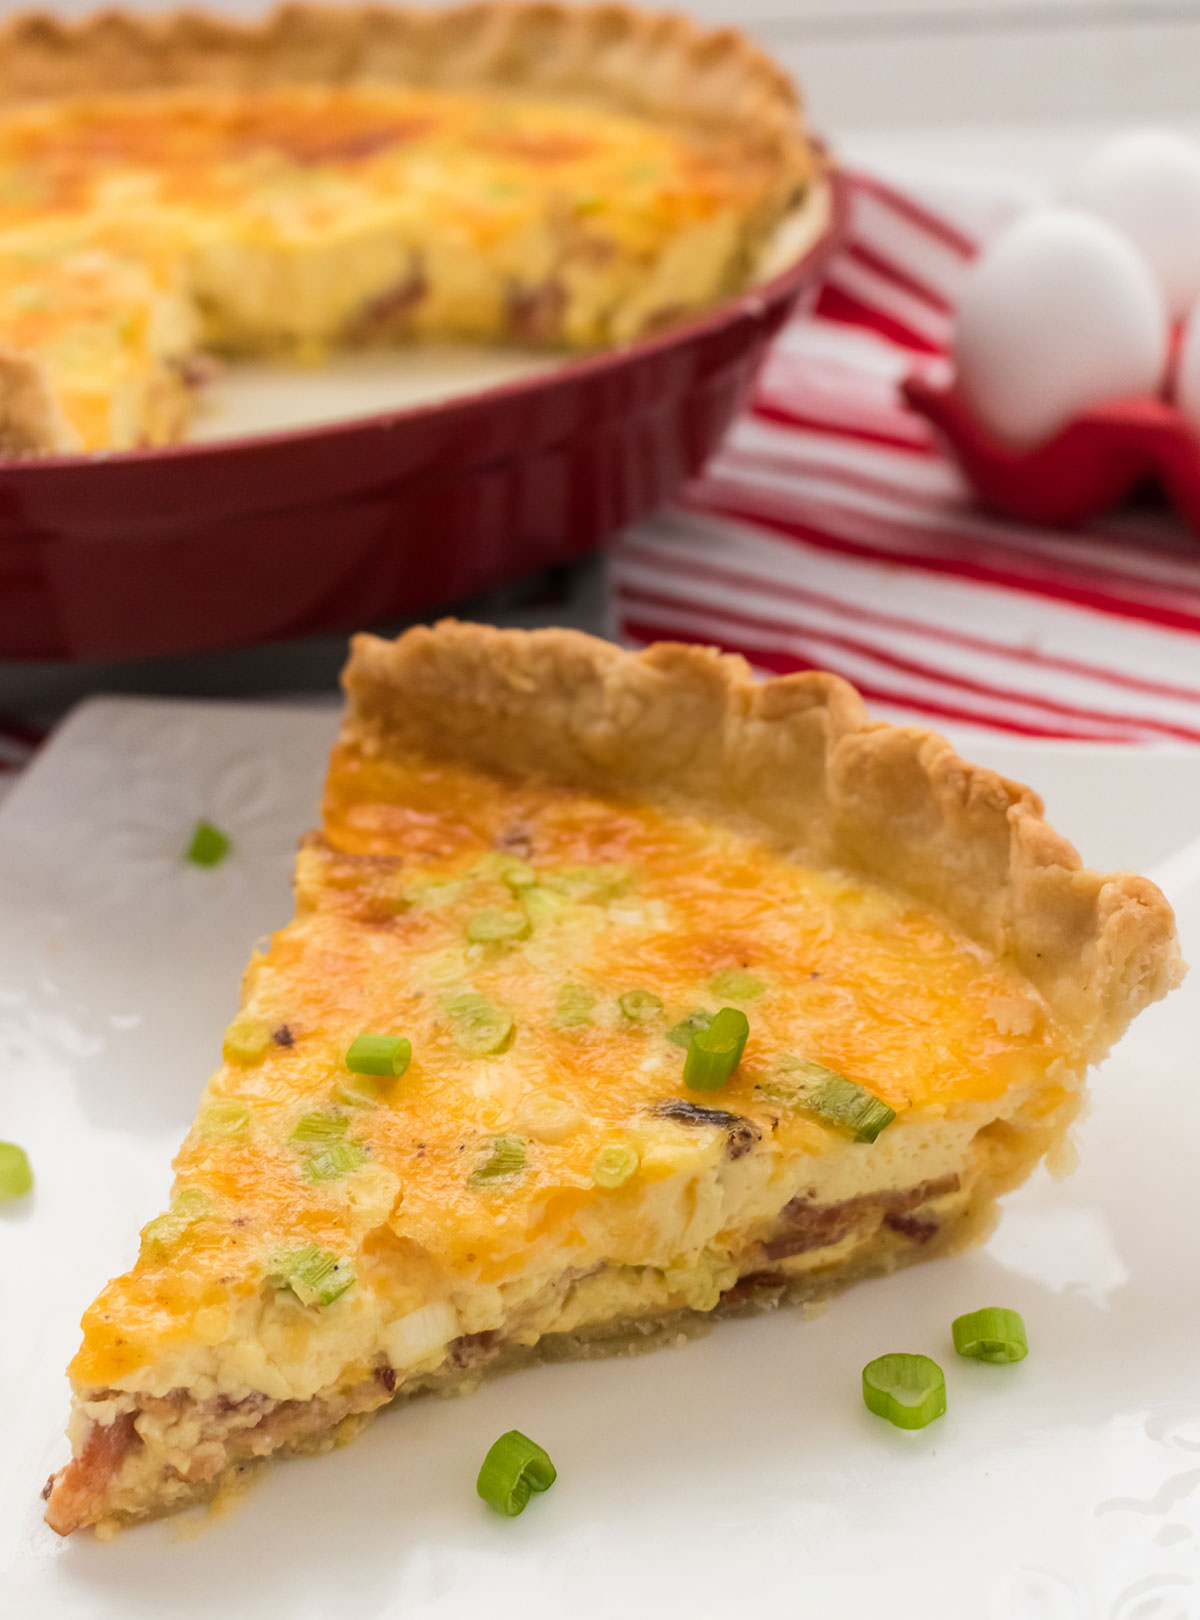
x,y
713,84
546,864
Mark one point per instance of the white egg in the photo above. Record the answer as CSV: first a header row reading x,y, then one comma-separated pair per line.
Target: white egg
x,y
1059,313
1148,185
1187,369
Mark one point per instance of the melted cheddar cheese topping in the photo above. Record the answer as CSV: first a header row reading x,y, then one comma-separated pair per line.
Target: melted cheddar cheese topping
x,y
618,921
299,219
293,156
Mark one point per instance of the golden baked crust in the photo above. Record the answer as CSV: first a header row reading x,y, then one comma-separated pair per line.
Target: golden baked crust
x,y
796,758
727,102
661,65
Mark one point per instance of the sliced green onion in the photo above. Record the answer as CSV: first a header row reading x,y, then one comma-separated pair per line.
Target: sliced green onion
x,y
505,1158
159,1236
319,1129
735,985
513,1469
590,883
831,1096
360,1090
614,1164
845,1102
640,1006
192,1203
16,1176
992,1334
548,1118
315,1276
541,903
480,1029
496,926
907,1390
687,1027
225,1116
246,1040
337,1159
434,895
714,1053
209,845
379,1054
512,871
574,1006
162,1234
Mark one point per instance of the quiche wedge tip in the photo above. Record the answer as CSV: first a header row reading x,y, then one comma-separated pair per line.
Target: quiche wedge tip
x,y
622,991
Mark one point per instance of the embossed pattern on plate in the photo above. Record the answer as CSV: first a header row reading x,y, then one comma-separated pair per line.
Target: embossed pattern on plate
x,y
738,1475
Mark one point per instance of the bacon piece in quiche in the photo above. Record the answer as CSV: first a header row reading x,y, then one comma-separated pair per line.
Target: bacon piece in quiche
x,y
545,865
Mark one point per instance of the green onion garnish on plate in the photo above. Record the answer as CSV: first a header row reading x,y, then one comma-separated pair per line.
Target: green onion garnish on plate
x,y
506,1158
513,1469
640,1006
315,1276
497,926
907,1390
714,1053
992,1334
379,1054
16,1176
209,845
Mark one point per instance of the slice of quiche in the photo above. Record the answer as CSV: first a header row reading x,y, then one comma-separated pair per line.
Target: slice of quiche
x,y
622,990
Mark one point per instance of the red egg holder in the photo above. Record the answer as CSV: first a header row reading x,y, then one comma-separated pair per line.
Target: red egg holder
x,y
308,530
1090,465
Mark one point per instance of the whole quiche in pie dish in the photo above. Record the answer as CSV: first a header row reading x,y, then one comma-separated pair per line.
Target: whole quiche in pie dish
x,y
524,173
622,992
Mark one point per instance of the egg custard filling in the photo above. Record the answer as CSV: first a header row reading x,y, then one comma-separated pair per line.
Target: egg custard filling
x,y
469,1112
333,179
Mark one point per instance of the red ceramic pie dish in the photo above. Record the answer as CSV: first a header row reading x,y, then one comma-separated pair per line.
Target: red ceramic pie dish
x,y
287,534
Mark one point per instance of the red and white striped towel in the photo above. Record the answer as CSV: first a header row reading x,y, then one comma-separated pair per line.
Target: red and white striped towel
x,y
832,532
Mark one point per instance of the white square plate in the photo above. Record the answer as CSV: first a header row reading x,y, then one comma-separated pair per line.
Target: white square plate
x,y
739,1475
